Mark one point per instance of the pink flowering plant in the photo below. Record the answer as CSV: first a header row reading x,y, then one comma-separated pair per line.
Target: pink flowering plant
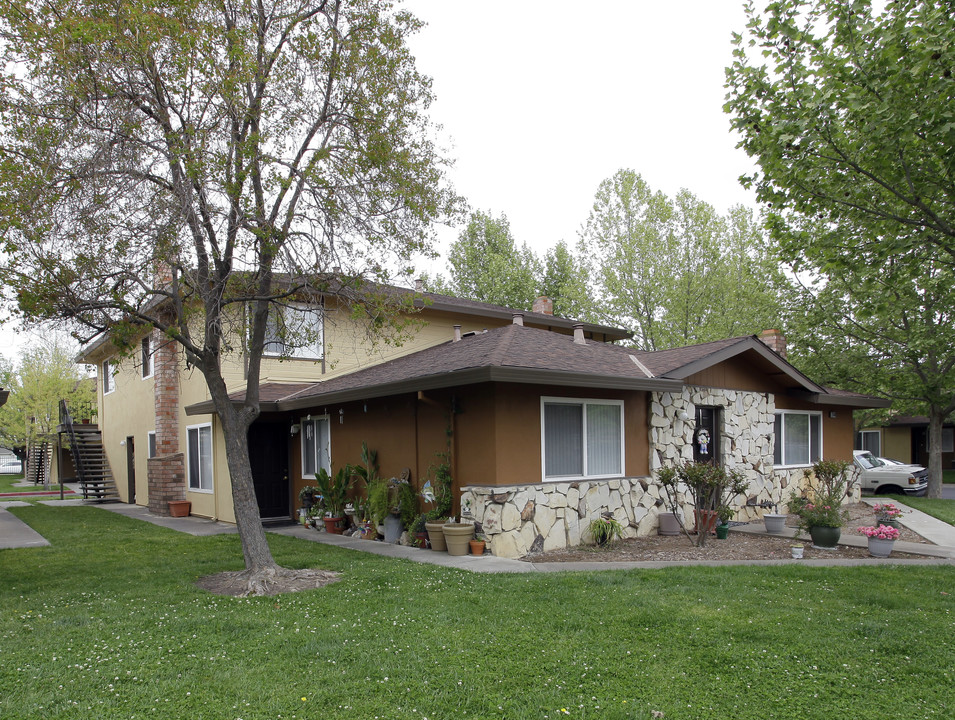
x,y
882,532
887,511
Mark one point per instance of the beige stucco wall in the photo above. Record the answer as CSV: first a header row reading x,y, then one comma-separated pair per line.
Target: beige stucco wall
x,y
129,409
126,412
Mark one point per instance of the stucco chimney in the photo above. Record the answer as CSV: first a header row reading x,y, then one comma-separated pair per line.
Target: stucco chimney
x,y
517,318
418,285
579,334
544,305
775,341
457,333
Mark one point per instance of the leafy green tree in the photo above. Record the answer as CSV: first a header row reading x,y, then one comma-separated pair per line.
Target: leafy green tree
x,y
675,272
169,165
563,278
485,264
43,376
849,116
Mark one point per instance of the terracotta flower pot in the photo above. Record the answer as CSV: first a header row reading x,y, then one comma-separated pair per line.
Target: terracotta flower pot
x,y
477,547
705,520
334,525
179,508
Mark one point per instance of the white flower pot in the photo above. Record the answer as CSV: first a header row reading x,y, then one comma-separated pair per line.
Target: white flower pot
x,y
880,548
775,524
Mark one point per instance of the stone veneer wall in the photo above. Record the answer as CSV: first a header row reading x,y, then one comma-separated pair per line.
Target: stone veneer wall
x,y
522,519
518,520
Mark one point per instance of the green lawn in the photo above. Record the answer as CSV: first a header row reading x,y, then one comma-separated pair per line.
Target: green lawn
x,y
107,623
948,476
7,481
939,508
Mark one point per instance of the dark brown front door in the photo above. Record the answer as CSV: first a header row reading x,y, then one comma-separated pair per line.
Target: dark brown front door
x,y
268,455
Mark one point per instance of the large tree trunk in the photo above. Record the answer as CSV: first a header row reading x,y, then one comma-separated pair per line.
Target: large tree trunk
x,y
935,420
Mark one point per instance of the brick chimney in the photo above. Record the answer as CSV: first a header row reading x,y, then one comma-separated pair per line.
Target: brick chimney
x,y
543,305
166,471
775,341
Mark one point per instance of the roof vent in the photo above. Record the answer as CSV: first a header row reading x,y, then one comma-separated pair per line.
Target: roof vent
x,y
457,333
544,305
517,318
579,334
419,285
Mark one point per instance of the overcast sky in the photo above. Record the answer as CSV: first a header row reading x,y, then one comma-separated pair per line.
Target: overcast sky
x,y
541,101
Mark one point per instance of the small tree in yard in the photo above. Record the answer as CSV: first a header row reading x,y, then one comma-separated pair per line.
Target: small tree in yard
x,y
190,166
710,488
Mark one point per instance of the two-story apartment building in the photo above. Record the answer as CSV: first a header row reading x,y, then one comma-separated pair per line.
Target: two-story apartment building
x,y
545,421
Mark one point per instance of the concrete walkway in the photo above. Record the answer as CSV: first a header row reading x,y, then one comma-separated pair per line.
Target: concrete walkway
x,y
15,533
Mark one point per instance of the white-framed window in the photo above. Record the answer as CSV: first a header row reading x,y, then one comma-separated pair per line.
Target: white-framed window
x,y
151,444
147,356
581,438
870,440
294,331
108,383
316,445
798,438
199,457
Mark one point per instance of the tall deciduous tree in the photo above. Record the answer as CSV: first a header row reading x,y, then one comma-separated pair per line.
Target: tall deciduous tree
x,y
169,165
42,376
563,278
486,264
849,115
675,272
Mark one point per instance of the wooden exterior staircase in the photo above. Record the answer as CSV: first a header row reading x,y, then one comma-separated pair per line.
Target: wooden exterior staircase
x,y
89,459
39,458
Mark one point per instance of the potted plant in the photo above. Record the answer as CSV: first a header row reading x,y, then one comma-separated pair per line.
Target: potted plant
x,y
417,535
605,530
724,515
821,513
881,539
477,544
709,488
334,491
306,496
888,514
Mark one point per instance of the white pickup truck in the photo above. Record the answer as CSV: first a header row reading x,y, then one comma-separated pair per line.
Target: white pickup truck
x,y
882,477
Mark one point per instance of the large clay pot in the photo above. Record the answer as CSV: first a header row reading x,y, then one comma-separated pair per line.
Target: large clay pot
x,y
179,508
436,535
334,525
705,520
825,537
669,525
477,547
457,536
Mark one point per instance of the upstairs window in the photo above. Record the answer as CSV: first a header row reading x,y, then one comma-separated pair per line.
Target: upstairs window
x,y
294,332
582,438
798,438
147,356
107,371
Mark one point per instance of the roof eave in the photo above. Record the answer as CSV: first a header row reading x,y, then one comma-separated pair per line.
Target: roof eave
x,y
853,401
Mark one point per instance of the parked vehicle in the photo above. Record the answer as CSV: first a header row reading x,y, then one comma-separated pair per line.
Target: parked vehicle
x,y
10,467
881,476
